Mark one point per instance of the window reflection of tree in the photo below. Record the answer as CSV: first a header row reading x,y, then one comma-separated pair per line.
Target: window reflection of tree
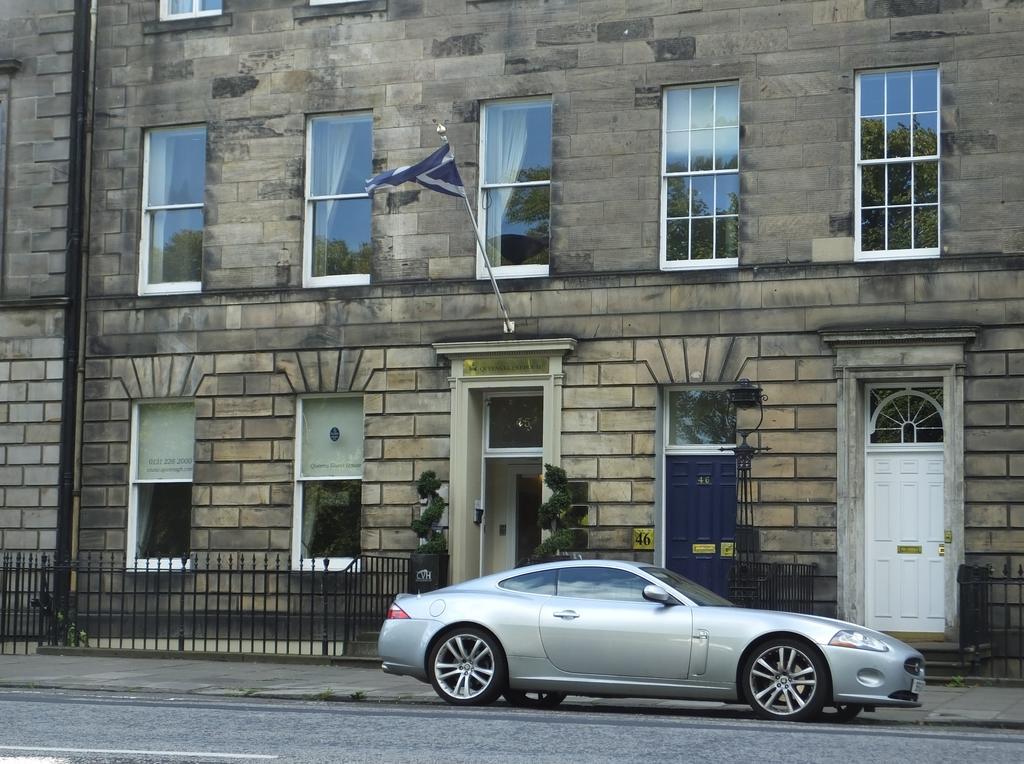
x,y
904,416
332,257
889,185
335,507
529,207
182,257
702,417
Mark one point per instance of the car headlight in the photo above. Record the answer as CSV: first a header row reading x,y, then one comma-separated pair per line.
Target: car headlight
x,y
858,640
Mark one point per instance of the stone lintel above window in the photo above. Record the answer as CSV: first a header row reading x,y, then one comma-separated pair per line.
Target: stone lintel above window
x,y
899,335
899,348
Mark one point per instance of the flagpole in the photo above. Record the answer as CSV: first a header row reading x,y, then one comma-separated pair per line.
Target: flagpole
x,y
509,324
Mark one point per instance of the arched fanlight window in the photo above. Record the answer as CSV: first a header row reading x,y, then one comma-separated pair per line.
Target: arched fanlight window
x,y
905,415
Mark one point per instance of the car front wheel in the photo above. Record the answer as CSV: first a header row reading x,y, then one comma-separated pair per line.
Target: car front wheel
x,y
786,679
467,668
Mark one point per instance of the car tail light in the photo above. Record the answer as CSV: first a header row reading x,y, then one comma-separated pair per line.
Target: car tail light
x,y
396,613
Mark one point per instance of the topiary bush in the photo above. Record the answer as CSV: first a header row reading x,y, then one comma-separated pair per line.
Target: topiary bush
x,y
559,516
432,539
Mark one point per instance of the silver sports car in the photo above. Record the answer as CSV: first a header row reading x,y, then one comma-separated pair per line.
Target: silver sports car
x,y
610,628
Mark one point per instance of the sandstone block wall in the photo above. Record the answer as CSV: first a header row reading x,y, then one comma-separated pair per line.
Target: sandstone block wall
x,y
35,65
256,73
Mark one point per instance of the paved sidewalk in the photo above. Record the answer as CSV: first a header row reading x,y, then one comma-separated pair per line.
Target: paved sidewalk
x,y
362,680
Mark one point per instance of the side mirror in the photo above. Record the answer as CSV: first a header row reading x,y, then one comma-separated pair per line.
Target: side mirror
x,y
657,594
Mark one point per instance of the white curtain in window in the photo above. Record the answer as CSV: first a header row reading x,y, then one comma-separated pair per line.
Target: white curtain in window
x,y
177,166
505,157
333,156
161,169
144,517
308,521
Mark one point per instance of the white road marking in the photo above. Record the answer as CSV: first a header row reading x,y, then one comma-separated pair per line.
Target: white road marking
x,y
130,752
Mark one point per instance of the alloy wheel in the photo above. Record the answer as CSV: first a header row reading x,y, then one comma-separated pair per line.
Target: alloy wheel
x,y
467,668
785,680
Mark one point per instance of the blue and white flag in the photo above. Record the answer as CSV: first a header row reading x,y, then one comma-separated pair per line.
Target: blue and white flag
x,y
437,172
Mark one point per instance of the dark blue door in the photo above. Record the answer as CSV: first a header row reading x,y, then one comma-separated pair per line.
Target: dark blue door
x,y
700,513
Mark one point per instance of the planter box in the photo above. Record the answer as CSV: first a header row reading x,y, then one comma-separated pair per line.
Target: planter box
x,y
427,572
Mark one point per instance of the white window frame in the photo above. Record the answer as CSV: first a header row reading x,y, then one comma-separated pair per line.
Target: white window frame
x,y
897,254
689,264
170,287
308,279
166,15
335,564
132,560
508,271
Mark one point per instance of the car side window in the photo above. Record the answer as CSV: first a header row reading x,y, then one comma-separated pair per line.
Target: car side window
x,y
601,584
541,582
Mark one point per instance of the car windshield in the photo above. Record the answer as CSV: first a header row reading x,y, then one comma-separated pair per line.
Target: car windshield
x,y
692,591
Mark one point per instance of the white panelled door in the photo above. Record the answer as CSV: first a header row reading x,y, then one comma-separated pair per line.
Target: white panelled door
x,y
904,570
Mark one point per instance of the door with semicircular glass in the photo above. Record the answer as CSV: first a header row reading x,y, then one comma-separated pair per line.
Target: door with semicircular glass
x,y
904,510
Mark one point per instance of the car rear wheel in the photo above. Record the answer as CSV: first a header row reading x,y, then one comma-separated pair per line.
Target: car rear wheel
x,y
467,667
786,679
534,699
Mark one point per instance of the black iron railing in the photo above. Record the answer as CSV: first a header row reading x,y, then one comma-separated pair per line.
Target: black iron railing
x,y
992,620
23,580
785,586
214,603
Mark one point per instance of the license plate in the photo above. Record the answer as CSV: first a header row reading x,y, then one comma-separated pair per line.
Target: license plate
x,y
917,687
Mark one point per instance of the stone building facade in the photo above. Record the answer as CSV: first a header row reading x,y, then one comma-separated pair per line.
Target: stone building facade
x,y
625,322
35,108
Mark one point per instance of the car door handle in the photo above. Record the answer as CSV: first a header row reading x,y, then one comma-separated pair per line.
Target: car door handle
x,y
566,615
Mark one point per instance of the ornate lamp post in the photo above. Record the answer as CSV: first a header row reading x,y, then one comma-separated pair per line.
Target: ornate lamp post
x,y
746,395
753,583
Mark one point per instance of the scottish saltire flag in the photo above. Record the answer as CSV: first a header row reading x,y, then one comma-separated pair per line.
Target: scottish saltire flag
x,y
437,172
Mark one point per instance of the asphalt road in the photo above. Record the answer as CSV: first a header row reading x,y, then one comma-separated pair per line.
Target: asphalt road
x,y
55,727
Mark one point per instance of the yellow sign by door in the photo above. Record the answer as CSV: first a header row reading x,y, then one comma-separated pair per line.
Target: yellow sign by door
x,y
728,549
643,538
513,364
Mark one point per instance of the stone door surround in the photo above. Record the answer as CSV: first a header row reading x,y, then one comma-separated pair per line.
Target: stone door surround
x,y
476,368
906,356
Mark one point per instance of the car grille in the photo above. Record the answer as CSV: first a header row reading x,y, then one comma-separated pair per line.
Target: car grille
x,y
914,666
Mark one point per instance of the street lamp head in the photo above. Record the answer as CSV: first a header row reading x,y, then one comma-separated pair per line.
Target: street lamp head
x,y
745,395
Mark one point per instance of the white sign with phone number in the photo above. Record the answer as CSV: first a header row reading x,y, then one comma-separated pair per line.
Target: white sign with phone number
x,y
167,467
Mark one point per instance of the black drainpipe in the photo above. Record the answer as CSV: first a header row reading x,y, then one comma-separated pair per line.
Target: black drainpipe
x,y
77,168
